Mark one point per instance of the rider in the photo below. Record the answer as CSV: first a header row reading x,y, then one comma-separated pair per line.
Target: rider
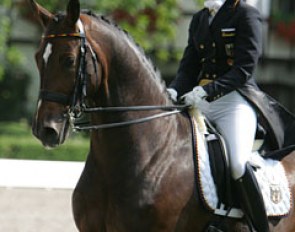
x,y
216,75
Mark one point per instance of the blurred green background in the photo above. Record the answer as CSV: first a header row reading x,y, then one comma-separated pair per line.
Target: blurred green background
x,y
159,26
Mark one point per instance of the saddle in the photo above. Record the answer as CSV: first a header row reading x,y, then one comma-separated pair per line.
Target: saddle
x,y
214,181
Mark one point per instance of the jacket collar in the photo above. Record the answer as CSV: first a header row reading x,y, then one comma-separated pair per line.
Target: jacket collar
x,y
224,13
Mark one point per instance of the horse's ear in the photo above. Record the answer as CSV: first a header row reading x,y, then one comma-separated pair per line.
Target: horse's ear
x,y
41,13
73,11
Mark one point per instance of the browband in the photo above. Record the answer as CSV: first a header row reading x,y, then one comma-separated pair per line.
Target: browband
x,y
80,34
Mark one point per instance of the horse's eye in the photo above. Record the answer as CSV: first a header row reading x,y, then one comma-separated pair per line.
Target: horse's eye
x,y
69,61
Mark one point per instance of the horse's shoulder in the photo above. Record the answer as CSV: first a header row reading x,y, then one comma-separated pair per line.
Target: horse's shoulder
x,y
289,165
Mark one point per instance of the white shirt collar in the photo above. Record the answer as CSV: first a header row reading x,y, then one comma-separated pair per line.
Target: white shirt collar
x,y
213,5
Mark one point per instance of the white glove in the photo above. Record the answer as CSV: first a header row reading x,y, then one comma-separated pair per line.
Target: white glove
x,y
196,98
172,94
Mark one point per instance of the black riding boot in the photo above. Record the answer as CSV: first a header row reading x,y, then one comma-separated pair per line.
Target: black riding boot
x,y
252,201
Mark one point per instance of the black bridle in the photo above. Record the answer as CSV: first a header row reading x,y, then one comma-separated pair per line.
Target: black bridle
x,y
76,100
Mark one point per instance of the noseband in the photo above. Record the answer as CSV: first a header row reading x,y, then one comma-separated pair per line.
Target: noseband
x,y
76,100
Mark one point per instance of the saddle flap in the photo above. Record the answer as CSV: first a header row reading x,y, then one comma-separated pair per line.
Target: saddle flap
x,y
219,166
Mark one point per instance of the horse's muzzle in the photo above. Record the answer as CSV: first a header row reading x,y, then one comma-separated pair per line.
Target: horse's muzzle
x,y
50,132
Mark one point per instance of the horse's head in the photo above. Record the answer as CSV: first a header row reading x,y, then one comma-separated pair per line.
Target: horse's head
x,y
87,57
60,62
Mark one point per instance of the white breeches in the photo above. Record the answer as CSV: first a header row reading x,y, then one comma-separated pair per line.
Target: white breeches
x,y
236,120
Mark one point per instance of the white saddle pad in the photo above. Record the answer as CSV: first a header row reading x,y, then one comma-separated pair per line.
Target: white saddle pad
x,y
270,175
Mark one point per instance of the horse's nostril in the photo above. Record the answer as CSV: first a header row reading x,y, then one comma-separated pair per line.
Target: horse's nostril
x,y
50,132
50,137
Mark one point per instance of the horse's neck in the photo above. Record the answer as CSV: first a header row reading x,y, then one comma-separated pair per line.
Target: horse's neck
x,y
132,81
131,78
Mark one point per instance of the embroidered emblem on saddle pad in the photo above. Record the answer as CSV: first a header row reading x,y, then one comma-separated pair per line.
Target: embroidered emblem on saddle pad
x,y
270,175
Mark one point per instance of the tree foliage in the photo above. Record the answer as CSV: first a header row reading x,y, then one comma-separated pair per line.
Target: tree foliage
x,y
8,54
4,32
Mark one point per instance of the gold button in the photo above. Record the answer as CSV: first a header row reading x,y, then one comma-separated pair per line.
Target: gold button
x,y
230,62
207,75
214,76
213,60
203,60
214,45
202,46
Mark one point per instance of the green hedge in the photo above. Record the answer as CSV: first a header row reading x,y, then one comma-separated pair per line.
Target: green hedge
x,y
13,98
17,142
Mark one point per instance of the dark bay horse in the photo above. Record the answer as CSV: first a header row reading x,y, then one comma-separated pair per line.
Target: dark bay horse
x,y
137,178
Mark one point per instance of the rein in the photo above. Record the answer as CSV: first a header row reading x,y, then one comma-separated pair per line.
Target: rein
x,y
171,111
76,100
134,108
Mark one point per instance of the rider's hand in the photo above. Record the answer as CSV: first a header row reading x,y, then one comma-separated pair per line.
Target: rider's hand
x,y
172,94
196,98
